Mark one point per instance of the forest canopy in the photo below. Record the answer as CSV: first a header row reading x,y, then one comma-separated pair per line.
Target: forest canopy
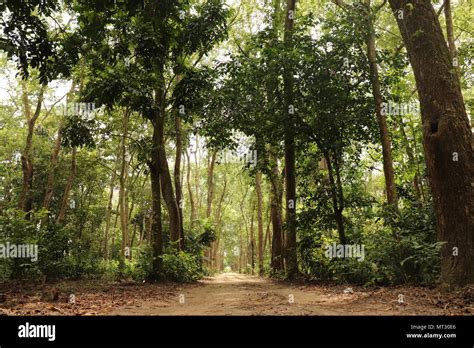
x,y
169,140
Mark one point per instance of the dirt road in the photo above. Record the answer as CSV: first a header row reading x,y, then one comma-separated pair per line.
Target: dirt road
x,y
238,294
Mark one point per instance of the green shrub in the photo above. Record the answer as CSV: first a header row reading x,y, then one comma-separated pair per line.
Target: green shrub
x,y
181,267
109,269
143,260
400,247
54,261
140,267
16,229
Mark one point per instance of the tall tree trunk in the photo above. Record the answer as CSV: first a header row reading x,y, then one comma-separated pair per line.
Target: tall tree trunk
x,y
245,255
210,195
289,140
148,226
258,188
252,238
162,164
132,205
276,191
447,136
210,183
156,175
141,229
247,247
156,224
337,199
241,250
382,122
196,175
123,187
108,214
218,219
52,169
266,238
112,245
275,212
133,236
450,34
190,191
54,157
67,189
25,200
177,178
84,198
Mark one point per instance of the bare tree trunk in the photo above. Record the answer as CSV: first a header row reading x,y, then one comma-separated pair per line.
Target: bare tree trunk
x,y
190,191
210,183
258,188
54,158
156,224
112,249
337,199
148,226
245,256
133,237
123,187
252,237
157,171
210,195
108,214
142,228
162,164
196,176
67,189
218,219
377,93
275,212
52,169
450,34
447,136
25,200
177,179
241,250
266,238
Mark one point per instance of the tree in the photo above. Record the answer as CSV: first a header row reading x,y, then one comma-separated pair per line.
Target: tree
x,y
258,189
155,52
289,140
25,202
447,137
123,193
369,14
377,93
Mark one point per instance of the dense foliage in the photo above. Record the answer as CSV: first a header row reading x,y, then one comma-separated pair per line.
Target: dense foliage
x,y
194,94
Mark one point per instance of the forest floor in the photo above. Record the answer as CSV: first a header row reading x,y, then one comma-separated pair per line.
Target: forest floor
x,y
231,294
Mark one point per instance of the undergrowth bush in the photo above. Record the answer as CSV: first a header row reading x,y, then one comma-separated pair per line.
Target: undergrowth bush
x,y
181,266
398,248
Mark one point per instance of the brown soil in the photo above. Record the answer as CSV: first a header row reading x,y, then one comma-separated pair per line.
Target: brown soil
x,y
238,294
230,294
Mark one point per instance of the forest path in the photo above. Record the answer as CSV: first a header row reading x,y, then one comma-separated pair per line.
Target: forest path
x,y
241,294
